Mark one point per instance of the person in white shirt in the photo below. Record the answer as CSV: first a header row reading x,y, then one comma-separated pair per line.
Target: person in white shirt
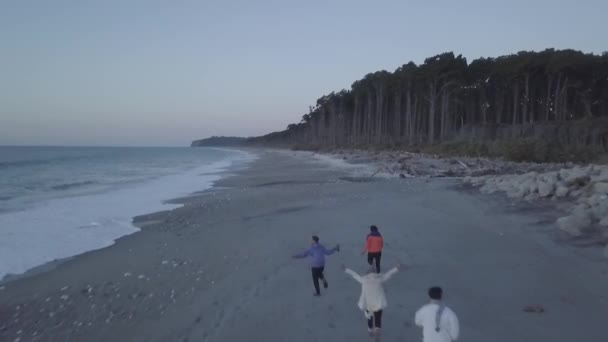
x,y
439,323
372,300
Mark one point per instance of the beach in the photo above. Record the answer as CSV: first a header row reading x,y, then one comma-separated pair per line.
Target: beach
x,y
219,268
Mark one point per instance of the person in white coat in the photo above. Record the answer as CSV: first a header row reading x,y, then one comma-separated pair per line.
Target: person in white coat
x,y
373,299
438,322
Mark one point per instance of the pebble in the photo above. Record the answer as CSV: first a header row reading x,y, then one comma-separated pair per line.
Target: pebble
x,y
127,274
65,297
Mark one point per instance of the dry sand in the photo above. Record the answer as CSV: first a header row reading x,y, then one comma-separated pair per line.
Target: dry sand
x,y
219,268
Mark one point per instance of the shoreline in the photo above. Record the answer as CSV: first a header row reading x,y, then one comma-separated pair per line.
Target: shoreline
x,y
218,267
168,204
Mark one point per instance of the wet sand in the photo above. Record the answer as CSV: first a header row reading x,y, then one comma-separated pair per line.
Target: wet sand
x,y
219,268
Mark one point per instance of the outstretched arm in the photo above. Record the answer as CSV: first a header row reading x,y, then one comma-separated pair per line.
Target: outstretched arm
x,y
331,251
353,274
386,276
302,255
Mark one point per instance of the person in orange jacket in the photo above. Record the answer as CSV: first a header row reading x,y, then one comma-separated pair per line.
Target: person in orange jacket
x,y
373,247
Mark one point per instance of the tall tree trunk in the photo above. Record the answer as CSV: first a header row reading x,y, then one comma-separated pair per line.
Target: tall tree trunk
x,y
408,116
415,120
379,110
369,115
444,115
515,101
483,108
500,103
548,99
397,116
432,99
556,107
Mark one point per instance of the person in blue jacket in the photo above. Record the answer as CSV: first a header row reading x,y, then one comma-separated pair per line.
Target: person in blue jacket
x,y
316,253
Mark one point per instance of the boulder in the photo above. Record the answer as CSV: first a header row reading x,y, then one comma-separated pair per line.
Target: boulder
x,y
591,201
599,211
550,177
575,176
581,210
531,197
600,188
573,225
602,177
546,189
489,188
561,191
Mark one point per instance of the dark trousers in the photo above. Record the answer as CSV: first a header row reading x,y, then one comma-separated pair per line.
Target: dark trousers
x,y
374,256
376,318
317,273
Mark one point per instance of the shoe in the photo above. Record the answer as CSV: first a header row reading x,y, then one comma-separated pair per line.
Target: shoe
x,y
370,331
377,331
316,294
325,284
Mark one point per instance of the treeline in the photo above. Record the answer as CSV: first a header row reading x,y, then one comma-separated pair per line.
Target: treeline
x,y
219,141
538,94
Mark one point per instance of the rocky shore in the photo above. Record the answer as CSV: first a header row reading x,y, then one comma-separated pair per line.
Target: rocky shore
x,y
581,192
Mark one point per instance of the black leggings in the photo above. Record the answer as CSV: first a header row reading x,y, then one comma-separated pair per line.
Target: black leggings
x,y
317,273
376,317
376,256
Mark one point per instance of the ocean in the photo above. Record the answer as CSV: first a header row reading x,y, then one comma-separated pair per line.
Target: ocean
x,y
57,202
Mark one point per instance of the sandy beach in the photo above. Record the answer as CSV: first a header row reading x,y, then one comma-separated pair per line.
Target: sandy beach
x,y
220,269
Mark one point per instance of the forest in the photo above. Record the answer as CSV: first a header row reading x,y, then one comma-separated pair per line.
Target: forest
x,y
555,97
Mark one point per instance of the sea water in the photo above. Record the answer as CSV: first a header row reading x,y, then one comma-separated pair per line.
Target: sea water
x,y
57,202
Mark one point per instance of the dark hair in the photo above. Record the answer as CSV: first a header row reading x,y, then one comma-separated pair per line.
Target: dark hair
x,y
373,228
435,293
315,238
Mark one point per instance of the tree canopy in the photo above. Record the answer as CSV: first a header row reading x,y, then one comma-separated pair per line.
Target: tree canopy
x,y
446,97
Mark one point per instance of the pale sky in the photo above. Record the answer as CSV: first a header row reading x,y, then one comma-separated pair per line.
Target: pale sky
x,y
163,73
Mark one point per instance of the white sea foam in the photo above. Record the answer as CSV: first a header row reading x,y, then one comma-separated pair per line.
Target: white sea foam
x,y
66,227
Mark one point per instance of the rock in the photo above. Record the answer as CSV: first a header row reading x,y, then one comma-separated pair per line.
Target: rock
x,y
546,189
591,200
573,224
483,172
401,175
532,197
536,308
578,181
600,210
561,191
581,210
600,188
602,177
575,193
489,188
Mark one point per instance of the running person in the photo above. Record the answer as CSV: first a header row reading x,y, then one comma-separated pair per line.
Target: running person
x,y
372,300
317,253
373,247
438,322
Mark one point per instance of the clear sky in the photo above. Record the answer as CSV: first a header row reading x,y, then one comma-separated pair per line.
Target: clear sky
x,y
166,72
